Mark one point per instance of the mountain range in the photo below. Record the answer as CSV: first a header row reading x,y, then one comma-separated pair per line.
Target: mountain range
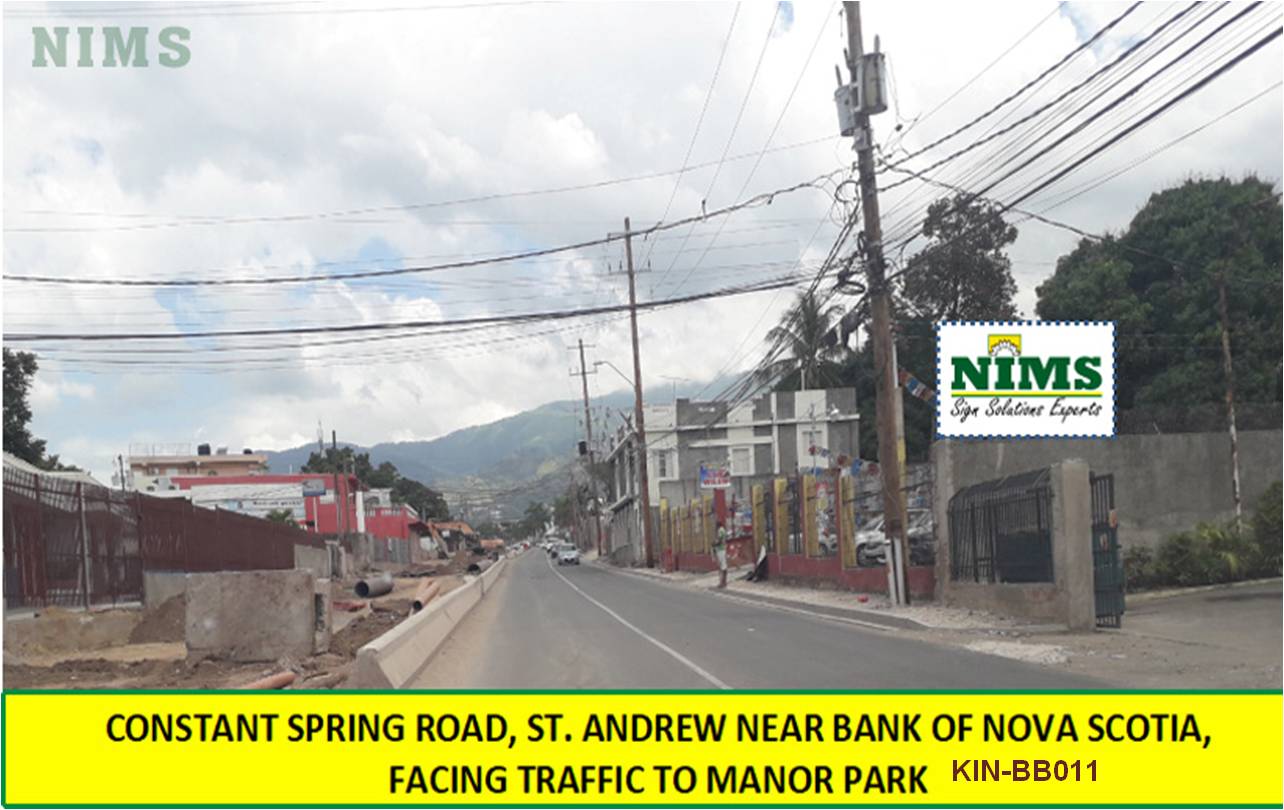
x,y
502,453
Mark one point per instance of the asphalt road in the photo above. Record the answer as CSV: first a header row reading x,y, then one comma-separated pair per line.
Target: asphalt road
x,y
583,627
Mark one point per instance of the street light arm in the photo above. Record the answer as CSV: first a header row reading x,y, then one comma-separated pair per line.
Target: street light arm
x,y
613,368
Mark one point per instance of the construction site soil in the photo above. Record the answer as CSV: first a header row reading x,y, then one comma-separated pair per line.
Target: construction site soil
x,y
154,656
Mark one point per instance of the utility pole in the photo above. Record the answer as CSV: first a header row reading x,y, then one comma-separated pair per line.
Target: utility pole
x,y
1230,393
588,442
334,449
644,488
891,451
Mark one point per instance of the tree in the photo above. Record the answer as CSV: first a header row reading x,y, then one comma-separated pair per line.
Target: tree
x,y
19,371
809,361
285,516
962,273
341,460
1158,281
428,502
534,519
563,513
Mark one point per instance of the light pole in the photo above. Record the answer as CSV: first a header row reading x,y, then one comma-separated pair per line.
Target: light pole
x,y
611,365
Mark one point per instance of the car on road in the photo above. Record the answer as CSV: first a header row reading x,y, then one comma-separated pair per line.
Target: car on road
x,y
568,554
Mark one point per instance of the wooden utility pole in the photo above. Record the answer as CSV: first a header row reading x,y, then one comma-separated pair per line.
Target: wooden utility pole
x,y
891,451
334,450
1230,393
588,443
644,488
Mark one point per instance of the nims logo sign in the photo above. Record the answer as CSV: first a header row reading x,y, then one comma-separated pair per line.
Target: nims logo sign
x,y
114,46
1025,378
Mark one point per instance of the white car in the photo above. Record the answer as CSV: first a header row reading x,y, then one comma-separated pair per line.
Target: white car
x,y
568,555
871,546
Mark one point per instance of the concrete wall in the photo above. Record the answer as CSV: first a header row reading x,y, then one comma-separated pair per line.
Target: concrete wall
x,y
1069,598
1164,484
311,558
253,615
161,586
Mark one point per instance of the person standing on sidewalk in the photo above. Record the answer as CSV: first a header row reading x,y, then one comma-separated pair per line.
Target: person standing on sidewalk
x,y
720,554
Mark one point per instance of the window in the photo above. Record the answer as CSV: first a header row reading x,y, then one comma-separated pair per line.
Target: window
x,y
666,464
741,461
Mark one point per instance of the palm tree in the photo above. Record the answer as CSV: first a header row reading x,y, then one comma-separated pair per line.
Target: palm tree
x,y
799,343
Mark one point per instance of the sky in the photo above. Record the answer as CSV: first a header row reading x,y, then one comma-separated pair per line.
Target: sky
x,y
304,139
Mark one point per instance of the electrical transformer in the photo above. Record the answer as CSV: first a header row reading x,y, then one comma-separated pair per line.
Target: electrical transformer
x,y
873,83
868,94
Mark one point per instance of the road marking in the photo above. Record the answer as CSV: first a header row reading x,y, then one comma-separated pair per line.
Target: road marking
x,y
682,659
827,618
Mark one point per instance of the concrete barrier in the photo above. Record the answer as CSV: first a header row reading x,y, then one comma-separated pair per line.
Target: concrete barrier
x,y
393,660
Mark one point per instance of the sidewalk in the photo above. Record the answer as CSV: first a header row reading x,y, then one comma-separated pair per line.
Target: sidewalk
x,y
1224,637
868,609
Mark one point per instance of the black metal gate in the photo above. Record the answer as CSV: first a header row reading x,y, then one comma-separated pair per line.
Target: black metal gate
x,y
1107,569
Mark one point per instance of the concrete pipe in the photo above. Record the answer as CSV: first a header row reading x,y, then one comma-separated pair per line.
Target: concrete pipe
x,y
428,591
375,586
478,567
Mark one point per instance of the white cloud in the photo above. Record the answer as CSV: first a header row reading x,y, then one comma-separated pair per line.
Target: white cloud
x,y
297,113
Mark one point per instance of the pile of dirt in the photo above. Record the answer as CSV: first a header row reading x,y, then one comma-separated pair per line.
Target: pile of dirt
x,y
384,615
166,623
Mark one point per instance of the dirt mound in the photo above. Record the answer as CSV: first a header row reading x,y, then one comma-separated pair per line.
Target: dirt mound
x,y
382,618
166,623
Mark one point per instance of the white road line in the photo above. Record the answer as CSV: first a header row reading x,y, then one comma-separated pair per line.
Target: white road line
x,y
682,659
827,618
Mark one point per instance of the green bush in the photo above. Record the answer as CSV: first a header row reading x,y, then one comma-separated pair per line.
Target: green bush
x,y
1267,533
1139,568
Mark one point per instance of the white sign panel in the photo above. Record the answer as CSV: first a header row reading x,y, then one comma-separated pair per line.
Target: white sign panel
x,y
251,499
1019,379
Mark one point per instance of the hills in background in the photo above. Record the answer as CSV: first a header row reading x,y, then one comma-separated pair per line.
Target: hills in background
x,y
504,453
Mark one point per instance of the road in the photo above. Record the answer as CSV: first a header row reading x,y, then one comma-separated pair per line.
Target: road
x,y
584,627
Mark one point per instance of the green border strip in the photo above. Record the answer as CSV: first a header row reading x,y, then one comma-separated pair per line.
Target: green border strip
x,y
4,695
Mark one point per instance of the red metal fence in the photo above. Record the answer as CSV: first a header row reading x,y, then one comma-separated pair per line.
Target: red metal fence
x,y
72,543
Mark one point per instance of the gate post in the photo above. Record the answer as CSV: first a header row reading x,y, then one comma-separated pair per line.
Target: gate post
x,y
1072,542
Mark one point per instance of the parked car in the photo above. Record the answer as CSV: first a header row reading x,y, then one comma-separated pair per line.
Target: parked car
x,y
568,554
871,545
922,537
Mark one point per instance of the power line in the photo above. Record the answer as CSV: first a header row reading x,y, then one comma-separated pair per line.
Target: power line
x,y
385,326
704,108
761,199
249,220
744,102
1019,91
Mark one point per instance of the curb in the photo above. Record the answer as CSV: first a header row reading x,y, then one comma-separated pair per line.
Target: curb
x,y
1168,593
865,617
398,656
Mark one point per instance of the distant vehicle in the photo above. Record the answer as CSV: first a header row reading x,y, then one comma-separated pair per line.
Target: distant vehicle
x,y
568,554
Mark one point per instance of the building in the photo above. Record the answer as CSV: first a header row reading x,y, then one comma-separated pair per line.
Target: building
x,y
779,433
153,468
310,497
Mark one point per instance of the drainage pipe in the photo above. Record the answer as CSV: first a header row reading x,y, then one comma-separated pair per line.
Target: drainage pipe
x,y
428,591
375,586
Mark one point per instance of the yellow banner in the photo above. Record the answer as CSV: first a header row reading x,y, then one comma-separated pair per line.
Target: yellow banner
x,y
650,748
